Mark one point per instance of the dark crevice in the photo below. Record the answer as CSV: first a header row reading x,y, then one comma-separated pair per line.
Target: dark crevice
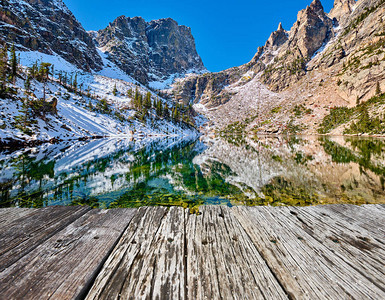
x,y
215,260
153,279
185,254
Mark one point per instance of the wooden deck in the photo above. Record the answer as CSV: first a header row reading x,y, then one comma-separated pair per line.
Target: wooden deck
x,y
321,252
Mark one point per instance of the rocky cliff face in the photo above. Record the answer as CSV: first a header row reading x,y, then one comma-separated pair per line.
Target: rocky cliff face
x,y
47,26
282,59
341,10
150,51
293,81
277,38
312,29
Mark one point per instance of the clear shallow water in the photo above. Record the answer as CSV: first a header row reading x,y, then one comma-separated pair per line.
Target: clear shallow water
x,y
264,171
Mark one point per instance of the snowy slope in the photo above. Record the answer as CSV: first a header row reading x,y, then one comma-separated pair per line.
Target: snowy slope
x,y
74,118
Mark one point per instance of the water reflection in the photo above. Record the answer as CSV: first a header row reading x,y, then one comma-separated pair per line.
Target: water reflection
x,y
264,171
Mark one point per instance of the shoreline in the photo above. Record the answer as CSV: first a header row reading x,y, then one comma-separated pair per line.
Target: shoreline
x,y
15,144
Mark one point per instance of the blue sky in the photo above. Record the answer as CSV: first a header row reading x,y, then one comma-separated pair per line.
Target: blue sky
x,y
227,33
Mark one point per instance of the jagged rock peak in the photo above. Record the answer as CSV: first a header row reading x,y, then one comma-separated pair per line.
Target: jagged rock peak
x,y
150,51
316,6
277,38
312,29
341,10
48,26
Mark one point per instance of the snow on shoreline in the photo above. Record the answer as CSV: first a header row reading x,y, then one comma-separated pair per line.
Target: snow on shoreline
x,y
74,119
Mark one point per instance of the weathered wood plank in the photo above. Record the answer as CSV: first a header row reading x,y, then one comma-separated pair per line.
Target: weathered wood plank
x,y
123,274
349,242
11,214
306,267
360,216
64,266
322,252
160,273
24,234
148,261
222,261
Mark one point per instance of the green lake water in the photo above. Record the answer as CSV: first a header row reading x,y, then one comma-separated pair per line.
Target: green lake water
x,y
111,173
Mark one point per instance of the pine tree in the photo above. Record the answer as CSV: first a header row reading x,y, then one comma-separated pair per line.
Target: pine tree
x,y
115,90
23,120
166,113
137,103
27,84
3,71
147,102
140,102
44,72
144,114
13,64
33,71
75,83
378,89
159,108
175,114
103,106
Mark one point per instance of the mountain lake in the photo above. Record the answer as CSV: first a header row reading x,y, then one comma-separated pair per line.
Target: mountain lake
x,y
264,170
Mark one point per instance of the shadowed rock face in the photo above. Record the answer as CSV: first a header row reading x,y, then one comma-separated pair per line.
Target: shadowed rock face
x,y
49,27
150,51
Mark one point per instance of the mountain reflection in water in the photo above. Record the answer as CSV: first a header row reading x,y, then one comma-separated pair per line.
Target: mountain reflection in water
x,y
283,170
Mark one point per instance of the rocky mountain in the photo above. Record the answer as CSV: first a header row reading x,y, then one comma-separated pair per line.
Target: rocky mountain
x,y
295,80
312,30
58,86
155,51
48,26
341,10
150,51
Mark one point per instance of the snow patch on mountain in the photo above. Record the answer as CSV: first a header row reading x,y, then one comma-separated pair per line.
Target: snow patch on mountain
x,y
163,84
74,118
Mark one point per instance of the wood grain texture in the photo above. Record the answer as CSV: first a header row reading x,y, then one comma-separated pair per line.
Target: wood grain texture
x,y
65,265
148,261
24,234
12,214
321,252
303,259
365,217
350,243
222,261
